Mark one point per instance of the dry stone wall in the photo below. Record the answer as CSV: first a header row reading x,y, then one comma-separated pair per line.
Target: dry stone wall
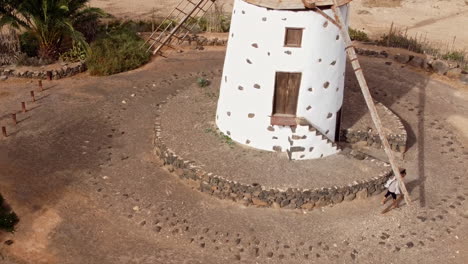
x,y
256,194
59,72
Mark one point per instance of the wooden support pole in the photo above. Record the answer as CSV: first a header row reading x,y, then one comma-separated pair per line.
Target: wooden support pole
x,y
369,101
174,30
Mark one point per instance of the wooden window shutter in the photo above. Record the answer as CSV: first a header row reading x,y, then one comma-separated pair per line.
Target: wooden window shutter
x,y
293,37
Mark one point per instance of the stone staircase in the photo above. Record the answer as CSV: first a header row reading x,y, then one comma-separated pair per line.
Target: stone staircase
x,y
306,142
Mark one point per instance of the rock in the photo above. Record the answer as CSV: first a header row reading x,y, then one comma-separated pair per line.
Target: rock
x,y
284,202
259,202
337,198
308,206
388,63
416,62
362,194
3,78
350,197
440,67
402,58
276,205
454,73
464,78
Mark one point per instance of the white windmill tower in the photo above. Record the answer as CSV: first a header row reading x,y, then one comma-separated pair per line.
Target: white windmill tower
x,y
283,78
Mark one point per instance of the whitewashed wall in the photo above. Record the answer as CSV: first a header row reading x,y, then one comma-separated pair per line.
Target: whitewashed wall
x,y
256,52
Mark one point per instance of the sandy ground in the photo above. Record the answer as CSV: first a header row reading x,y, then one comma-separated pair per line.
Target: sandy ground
x,y
80,173
438,21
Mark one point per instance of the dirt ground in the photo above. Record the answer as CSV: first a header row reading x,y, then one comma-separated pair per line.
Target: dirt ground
x,y
79,171
438,21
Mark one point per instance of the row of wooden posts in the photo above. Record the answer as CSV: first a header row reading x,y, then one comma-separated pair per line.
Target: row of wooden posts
x,y
23,108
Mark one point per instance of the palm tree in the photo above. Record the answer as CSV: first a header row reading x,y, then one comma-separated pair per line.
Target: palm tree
x,y
49,21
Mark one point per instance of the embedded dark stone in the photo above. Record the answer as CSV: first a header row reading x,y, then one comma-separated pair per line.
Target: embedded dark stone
x,y
247,141
288,52
325,24
255,45
326,84
310,89
329,115
248,61
251,115
229,113
270,128
256,86
240,88
277,148
333,62
297,149
308,108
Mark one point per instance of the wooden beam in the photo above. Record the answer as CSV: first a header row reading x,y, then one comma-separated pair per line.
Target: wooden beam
x,y
294,4
368,98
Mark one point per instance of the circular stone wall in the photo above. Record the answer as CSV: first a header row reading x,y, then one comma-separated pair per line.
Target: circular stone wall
x,y
256,52
187,142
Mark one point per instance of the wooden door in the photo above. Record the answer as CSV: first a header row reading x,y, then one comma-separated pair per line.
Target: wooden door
x,y
286,93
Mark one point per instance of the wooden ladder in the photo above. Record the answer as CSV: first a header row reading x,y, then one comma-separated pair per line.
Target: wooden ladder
x,y
178,24
338,21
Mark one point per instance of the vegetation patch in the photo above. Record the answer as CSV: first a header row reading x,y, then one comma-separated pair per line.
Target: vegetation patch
x,y
358,35
117,51
8,218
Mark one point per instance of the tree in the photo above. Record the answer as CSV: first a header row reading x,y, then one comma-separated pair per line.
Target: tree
x,y
49,21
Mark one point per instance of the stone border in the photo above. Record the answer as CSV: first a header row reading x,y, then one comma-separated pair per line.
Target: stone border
x,y
57,73
256,194
371,137
430,64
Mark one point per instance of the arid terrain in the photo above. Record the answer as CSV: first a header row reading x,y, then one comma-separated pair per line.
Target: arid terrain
x,y
79,171
439,21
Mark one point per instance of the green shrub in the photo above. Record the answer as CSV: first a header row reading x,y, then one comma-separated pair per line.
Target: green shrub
x,y
456,55
75,54
8,219
29,44
358,35
202,82
117,51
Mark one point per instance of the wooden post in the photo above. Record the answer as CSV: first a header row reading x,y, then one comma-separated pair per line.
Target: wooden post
x,y
369,101
13,117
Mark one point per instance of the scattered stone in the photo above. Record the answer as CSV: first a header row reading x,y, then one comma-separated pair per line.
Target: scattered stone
x,y
402,58
440,66
3,78
416,62
388,63
409,245
9,242
454,73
